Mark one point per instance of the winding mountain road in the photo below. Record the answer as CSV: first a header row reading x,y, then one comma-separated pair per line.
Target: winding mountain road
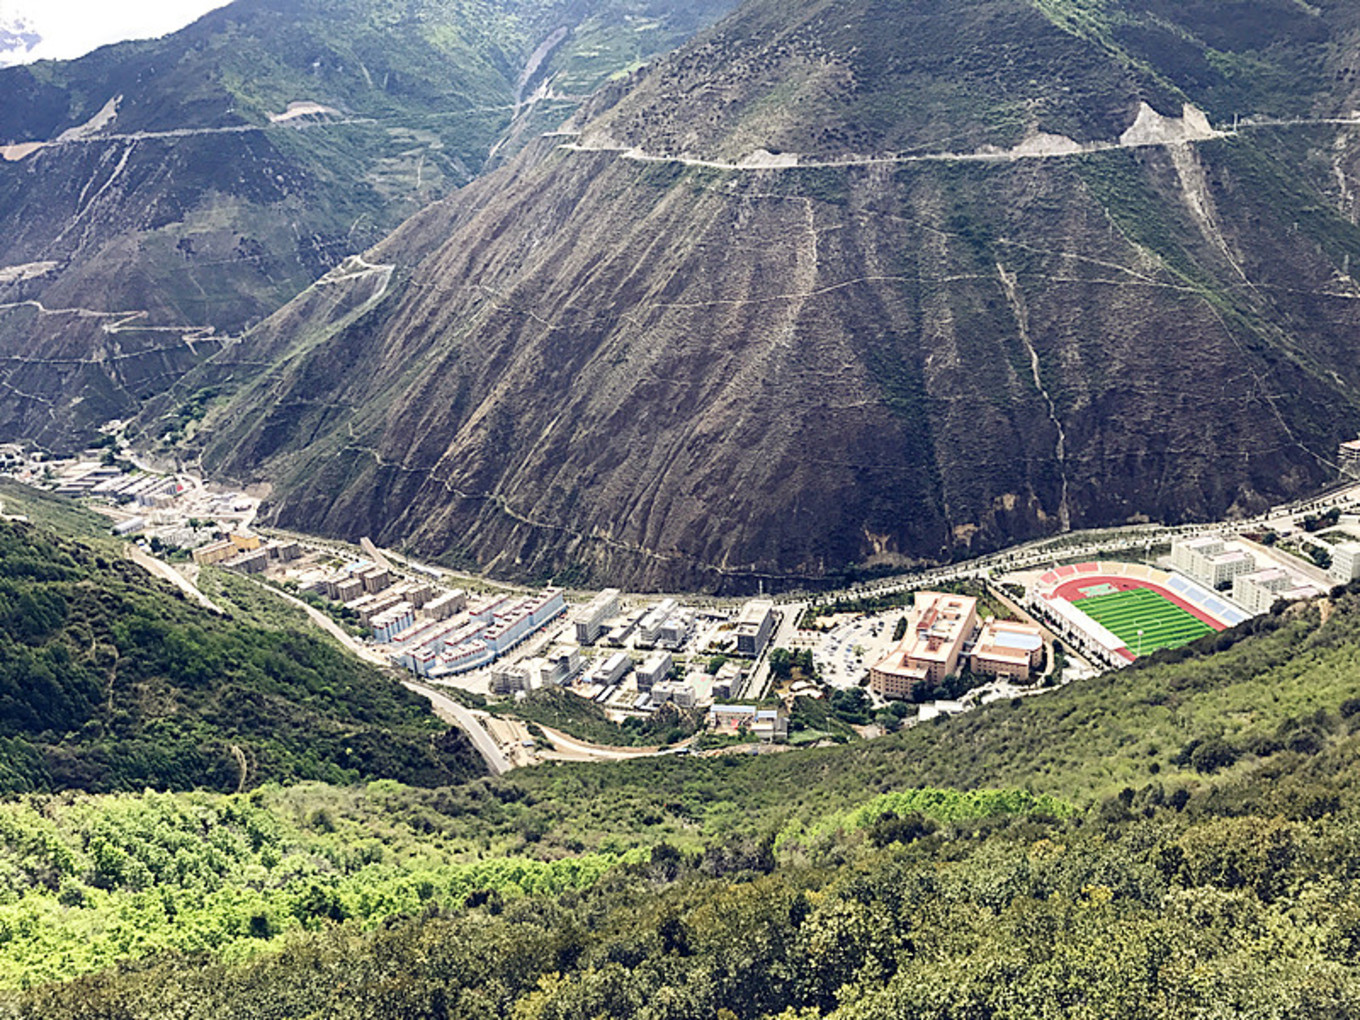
x,y
459,715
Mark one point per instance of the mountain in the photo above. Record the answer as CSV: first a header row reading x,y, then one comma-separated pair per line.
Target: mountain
x,y
846,283
110,680
157,198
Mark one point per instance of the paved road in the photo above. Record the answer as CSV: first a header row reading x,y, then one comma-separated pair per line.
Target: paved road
x,y
332,628
163,570
596,751
444,707
452,712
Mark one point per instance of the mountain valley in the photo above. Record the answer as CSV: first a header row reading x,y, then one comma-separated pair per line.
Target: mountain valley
x,y
955,401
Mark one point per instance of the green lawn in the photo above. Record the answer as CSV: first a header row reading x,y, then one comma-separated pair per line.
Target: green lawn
x,y
1163,623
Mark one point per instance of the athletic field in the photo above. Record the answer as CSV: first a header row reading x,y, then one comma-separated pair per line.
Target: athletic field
x,y
1163,623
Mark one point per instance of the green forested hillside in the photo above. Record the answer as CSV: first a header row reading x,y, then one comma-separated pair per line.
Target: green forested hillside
x,y
110,680
1188,849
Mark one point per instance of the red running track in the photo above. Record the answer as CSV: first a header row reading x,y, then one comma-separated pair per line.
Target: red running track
x,y
1071,591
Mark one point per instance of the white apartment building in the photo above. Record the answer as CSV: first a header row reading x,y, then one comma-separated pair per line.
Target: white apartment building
x,y
1209,560
1345,562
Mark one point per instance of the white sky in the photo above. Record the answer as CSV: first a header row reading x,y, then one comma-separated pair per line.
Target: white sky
x,y
71,28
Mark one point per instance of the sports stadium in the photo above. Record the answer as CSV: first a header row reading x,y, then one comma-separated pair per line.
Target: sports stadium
x,y
1126,610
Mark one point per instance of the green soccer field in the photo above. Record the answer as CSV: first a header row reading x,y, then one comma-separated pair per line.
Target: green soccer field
x,y
1163,623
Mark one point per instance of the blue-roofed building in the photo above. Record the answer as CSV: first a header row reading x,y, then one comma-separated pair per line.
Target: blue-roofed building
x,y
1008,649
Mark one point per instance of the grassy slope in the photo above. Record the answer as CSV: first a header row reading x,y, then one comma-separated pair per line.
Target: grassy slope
x,y
1236,896
261,870
110,680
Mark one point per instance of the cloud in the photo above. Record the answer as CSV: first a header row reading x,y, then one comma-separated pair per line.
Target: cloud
x,y
71,28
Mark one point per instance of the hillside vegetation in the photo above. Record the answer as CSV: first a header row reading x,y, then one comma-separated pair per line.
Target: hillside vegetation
x,y
200,181
1140,875
110,680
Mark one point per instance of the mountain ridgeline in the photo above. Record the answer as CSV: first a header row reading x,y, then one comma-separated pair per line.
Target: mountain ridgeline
x,y
845,283
157,198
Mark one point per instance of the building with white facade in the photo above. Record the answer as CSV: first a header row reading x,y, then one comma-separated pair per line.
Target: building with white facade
x,y
1345,562
649,628
1258,591
755,625
612,670
391,622
590,619
654,670
1209,560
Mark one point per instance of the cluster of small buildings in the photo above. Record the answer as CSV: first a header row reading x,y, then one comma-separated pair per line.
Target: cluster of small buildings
x,y
246,554
559,667
945,635
477,634
766,723
652,679
1210,560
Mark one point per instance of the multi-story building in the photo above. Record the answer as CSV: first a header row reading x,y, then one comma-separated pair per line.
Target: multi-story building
x,y
506,680
216,552
254,562
654,670
677,692
754,627
1348,459
1345,562
590,619
1258,591
563,665
444,606
284,552
649,629
618,636
345,589
612,670
1008,649
391,622
675,631
932,647
1209,560
376,579
369,606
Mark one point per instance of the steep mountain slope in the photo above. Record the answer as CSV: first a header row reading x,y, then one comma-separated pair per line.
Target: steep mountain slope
x,y
847,281
156,197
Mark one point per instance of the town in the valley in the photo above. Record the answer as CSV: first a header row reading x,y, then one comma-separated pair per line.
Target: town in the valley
x,y
897,652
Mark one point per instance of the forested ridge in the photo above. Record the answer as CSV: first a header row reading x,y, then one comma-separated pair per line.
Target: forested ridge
x,y
1176,840
111,680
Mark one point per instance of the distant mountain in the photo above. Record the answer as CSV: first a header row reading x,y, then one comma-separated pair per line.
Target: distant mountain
x,y
849,283
157,198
